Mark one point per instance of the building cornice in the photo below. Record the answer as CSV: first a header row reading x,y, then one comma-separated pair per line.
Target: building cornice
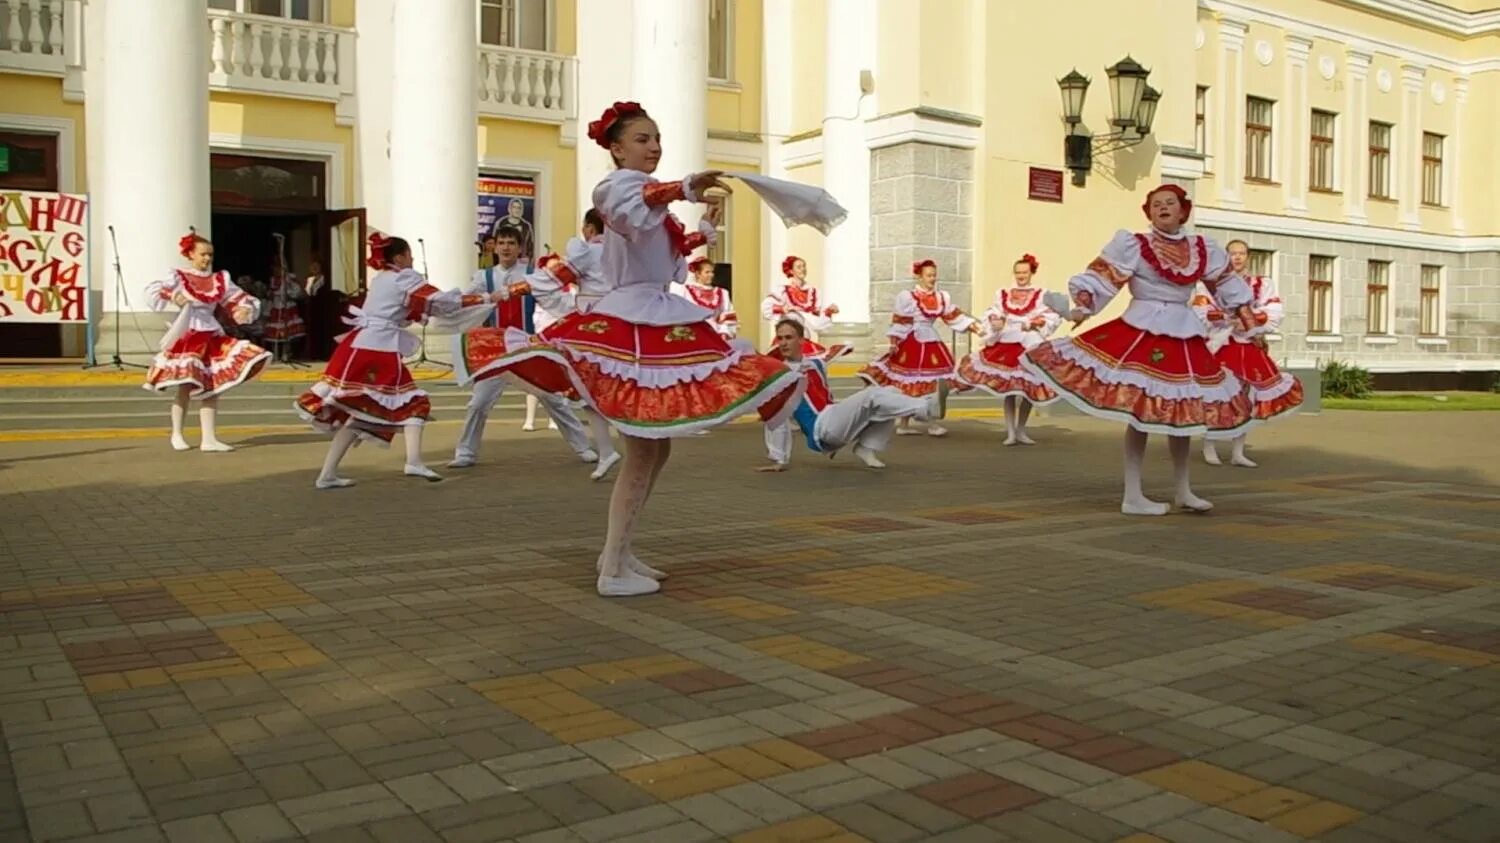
x,y
1355,41
1433,15
1315,229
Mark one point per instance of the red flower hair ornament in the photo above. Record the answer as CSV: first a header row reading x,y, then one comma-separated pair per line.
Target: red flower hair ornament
x,y
916,268
599,129
1030,260
377,243
787,263
1182,198
186,242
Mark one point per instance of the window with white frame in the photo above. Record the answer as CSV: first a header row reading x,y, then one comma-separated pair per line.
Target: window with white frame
x,y
1259,264
720,39
1378,298
1258,141
1321,141
1200,122
1380,160
521,24
313,11
1431,304
1320,269
1432,168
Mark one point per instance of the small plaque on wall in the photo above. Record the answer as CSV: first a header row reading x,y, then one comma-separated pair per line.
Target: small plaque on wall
x,y
1045,185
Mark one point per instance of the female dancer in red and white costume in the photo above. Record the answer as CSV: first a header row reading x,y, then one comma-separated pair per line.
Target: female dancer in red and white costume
x,y
197,359
645,359
1273,393
1018,320
366,391
796,299
1151,368
284,324
700,290
918,359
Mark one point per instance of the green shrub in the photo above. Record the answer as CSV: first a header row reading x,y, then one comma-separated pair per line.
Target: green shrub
x,y
1345,380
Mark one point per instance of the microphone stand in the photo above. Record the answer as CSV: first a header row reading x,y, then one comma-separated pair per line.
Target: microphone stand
x,y
115,359
422,358
283,353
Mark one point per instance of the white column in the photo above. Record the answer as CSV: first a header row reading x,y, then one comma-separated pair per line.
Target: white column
x,y
1453,155
101,274
670,79
850,49
601,29
375,51
1357,135
1230,173
152,183
434,135
776,110
1298,120
1409,148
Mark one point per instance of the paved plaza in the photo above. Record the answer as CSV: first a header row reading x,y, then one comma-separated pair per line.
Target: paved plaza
x,y
971,646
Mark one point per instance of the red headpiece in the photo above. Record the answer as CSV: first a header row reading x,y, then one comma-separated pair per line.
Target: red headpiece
x,y
1030,260
916,268
696,264
541,262
1182,197
186,242
786,265
378,243
599,129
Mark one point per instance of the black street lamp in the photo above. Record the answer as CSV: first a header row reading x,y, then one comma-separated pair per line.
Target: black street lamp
x,y
1132,101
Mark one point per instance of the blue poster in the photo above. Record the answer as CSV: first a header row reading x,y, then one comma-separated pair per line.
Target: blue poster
x,y
509,202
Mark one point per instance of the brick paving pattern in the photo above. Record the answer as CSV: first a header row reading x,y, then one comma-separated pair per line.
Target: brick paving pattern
x,y
970,646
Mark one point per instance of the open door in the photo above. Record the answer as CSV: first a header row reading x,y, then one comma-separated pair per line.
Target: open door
x,y
341,240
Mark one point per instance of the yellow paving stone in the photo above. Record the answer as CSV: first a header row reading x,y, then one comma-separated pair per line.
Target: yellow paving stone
x,y
1446,653
1267,803
1316,818
746,608
748,763
871,584
263,662
147,677
1284,534
681,777
609,727
516,687
1201,781
785,752
804,830
101,683
801,651
646,667
1141,838
1196,592
571,678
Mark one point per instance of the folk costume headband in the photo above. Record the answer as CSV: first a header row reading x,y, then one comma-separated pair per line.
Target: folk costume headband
x,y
599,129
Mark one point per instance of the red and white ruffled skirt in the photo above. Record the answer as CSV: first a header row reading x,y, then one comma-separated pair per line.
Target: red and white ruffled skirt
x,y
813,351
1152,382
1272,392
650,381
367,389
207,361
997,369
914,367
285,323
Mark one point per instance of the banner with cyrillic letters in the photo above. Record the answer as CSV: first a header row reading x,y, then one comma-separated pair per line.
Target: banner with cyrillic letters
x,y
44,257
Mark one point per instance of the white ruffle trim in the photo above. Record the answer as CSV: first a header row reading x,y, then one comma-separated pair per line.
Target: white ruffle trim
x,y
1283,385
790,379
1226,390
390,401
1078,403
937,376
245,370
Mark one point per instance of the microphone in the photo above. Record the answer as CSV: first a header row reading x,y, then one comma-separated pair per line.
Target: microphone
x,y
279,238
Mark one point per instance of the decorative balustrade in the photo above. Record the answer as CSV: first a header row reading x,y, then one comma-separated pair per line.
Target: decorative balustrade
x,y
281,57
33,36
527,84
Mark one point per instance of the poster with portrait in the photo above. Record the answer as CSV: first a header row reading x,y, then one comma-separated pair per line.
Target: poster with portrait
x,y
509,201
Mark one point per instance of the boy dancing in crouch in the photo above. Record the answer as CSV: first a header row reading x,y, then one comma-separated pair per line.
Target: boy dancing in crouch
x,y
867,419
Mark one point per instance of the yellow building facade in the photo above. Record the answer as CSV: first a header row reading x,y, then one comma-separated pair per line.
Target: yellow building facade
x,y
1353,140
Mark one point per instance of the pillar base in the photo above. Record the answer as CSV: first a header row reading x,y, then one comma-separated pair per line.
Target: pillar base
x,y
140,335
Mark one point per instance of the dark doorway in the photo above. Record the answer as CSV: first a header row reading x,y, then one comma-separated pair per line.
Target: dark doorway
x,y
255,199
31,164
